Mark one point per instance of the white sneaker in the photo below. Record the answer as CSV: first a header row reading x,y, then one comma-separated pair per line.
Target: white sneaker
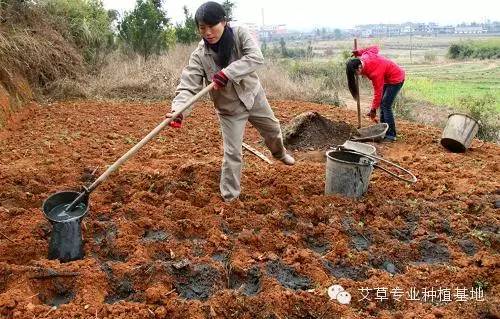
x,y
288,159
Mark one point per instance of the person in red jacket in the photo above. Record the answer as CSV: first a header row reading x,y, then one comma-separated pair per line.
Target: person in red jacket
x,y
387,79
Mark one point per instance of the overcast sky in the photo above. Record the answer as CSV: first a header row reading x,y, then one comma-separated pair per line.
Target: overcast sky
x,y
341,14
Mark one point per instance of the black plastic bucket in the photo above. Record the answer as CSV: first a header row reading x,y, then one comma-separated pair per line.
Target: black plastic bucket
x,y
66,243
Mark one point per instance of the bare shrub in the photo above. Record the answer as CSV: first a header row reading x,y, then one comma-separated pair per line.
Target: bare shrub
x,y
130,77
29,45
279,83
483,110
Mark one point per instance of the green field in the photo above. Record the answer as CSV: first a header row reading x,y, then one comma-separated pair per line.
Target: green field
x,y
431,76
445,83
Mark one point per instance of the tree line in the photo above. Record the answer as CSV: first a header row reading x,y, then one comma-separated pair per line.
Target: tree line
x,y
145,30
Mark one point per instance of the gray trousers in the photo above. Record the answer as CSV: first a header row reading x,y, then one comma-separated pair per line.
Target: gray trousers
x,y
261,116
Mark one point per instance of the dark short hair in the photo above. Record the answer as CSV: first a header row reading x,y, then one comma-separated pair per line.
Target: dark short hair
x,y
212,13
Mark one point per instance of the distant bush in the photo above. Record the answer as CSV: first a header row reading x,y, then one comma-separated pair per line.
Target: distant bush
x,y
85,23
147,30
489,49
483,110
187,33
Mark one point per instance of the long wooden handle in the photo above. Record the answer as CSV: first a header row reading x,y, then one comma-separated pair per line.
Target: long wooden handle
x,y
358,102
147,138
257,153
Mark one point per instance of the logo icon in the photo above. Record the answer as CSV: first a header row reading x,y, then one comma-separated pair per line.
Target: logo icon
x,y
338,293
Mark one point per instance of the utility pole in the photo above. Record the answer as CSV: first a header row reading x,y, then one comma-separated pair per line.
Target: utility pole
x,y
411,44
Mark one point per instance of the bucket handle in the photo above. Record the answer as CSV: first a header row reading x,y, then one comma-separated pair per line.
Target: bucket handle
x,y
413,177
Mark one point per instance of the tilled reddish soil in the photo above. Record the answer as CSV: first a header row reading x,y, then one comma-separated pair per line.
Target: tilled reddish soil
x,y
160,243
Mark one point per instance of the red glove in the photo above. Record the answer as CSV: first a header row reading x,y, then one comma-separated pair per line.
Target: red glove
x,y
373,115
177,122
220,80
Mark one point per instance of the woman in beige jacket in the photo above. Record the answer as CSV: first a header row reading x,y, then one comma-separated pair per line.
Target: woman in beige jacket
x,y
229,57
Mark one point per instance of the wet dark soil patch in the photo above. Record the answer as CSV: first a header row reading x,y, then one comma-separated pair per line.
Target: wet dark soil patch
x,y
433,252
288,277
289,221
444,227
154,235
121,290
405,234
198,282
3,279
221,256
113,254
468,246
105,233
489,228
319,245
310,130
342,270
198,247
248,283
387,264
162,255
360,241
104,238
226,228
55,291
59,298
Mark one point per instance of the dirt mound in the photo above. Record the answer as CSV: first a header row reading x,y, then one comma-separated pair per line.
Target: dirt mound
x,y
310,130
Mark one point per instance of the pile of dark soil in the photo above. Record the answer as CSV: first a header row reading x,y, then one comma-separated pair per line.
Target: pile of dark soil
x,y
310,130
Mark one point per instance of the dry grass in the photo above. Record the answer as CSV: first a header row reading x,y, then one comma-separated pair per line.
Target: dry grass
x,y
30,46
279,84
130,78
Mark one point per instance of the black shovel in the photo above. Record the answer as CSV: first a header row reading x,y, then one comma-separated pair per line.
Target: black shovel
x,y
65,210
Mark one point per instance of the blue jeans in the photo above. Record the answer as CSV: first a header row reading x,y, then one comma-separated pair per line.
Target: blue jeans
x,y
386,115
